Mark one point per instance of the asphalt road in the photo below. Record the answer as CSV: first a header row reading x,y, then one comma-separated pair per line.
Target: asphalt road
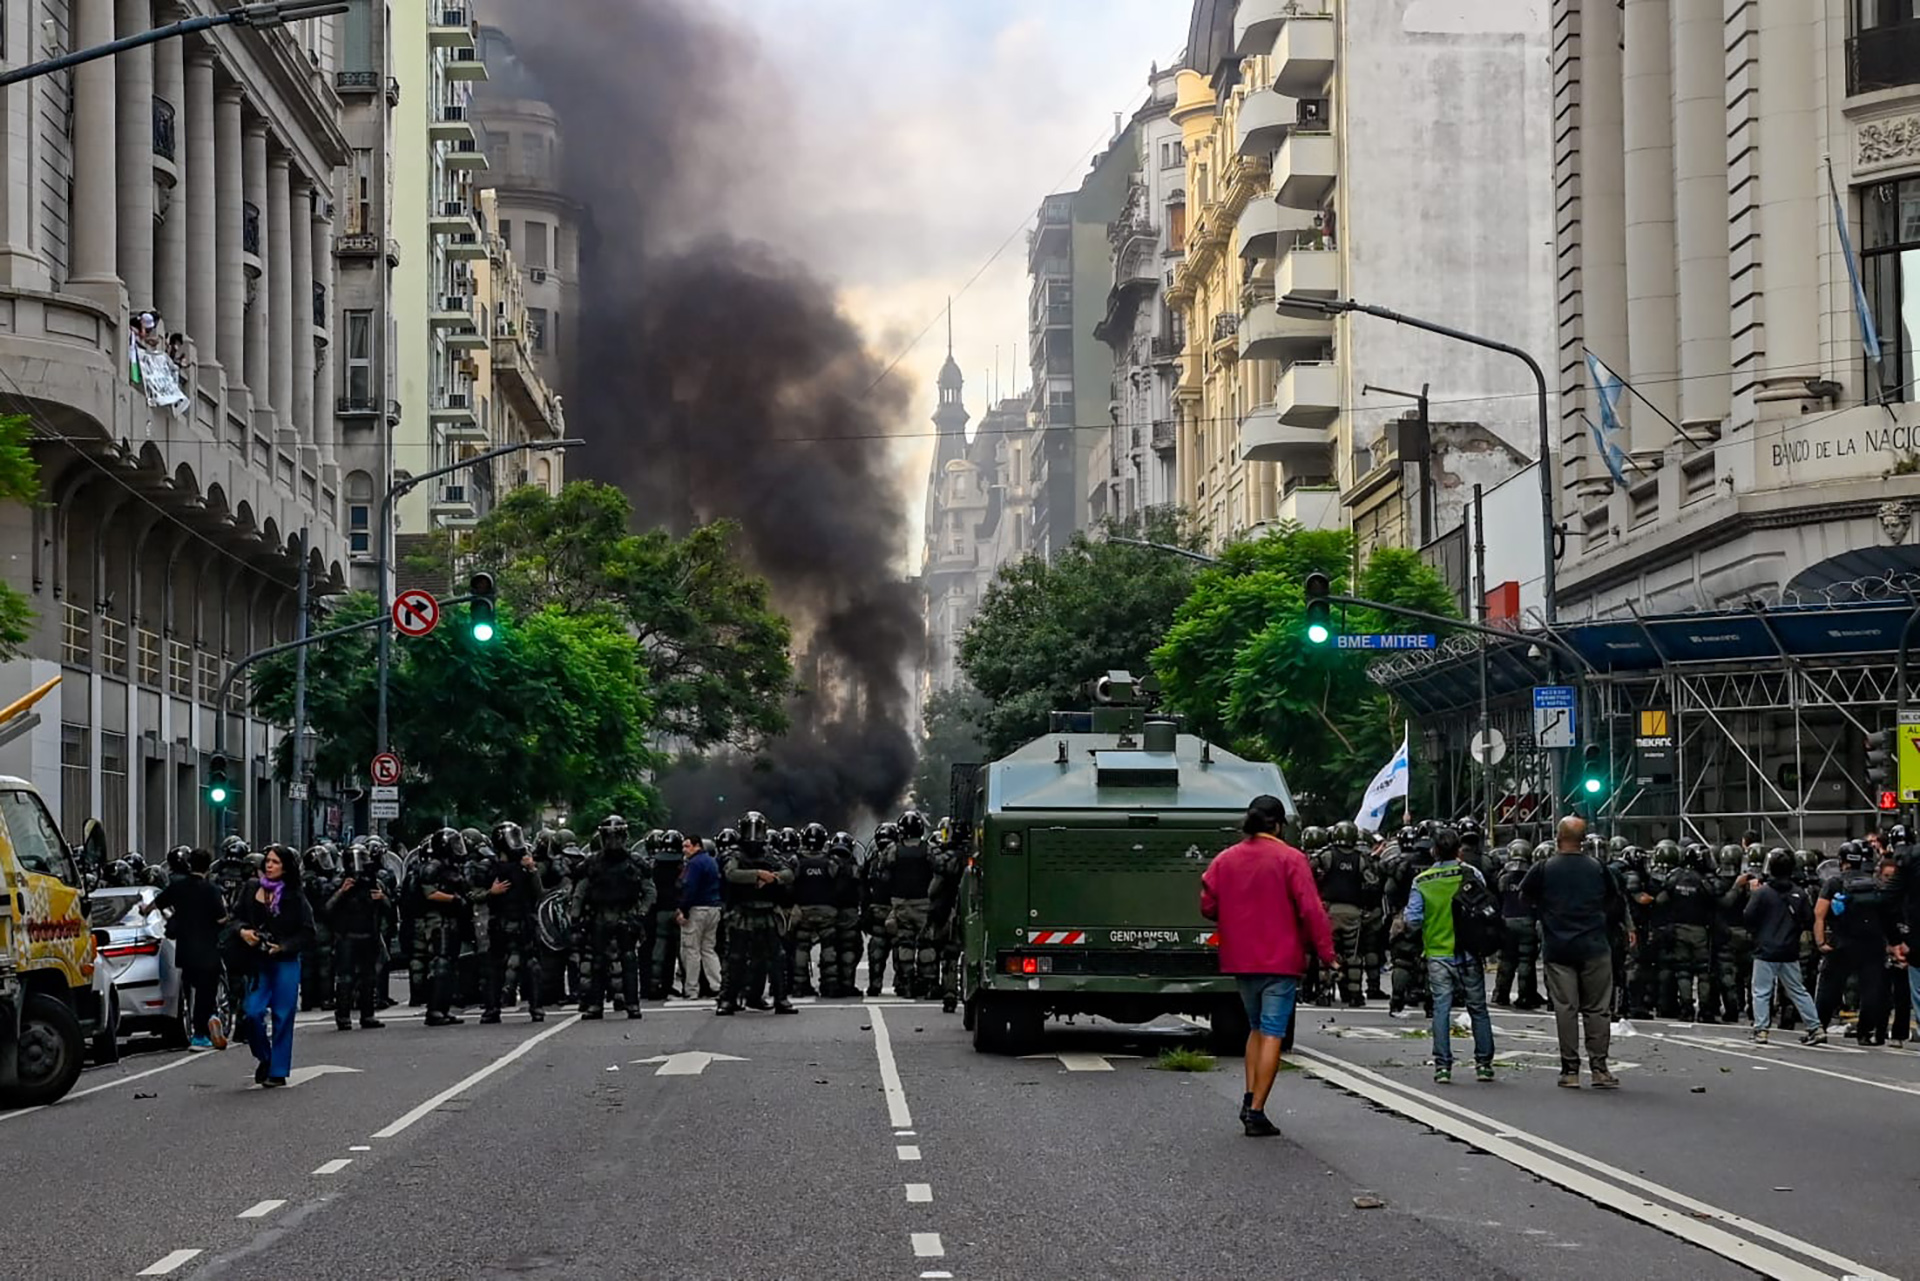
x,y
867,1139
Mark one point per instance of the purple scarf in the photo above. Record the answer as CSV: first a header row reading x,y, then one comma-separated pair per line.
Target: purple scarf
x,y
274,886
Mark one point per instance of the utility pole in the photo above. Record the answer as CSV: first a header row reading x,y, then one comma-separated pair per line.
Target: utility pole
x,y
260,16
298,772
1486,717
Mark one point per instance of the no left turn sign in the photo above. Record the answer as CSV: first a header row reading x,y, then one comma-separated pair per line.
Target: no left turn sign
x,y
415,612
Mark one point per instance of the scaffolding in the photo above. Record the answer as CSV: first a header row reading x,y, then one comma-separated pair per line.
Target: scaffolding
x,y
1767,713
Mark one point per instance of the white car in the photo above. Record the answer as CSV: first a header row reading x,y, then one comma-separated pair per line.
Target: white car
x,y
138,958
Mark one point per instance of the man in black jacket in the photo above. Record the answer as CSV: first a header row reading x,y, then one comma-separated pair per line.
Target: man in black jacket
x,y
1856,928
1576,898
1776,914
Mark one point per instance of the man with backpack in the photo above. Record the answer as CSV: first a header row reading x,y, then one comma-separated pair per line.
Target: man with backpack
x,y
1776,914
1580,905
1459,926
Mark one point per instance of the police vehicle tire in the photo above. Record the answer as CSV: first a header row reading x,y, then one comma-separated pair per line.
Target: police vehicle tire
x,y
1006,1024
970,1014
52,1051
1228,1034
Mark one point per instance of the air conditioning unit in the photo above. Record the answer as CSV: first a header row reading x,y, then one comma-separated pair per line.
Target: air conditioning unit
x,y
1311,113
538,275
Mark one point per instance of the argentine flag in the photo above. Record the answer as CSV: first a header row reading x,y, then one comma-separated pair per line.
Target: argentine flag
x,y
1607,387
1389,783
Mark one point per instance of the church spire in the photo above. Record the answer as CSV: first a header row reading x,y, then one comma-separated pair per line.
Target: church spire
x,y
950,415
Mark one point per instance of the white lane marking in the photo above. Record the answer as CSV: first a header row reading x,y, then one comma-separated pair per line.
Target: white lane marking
x,y
359,1147
336,1165
903,1134
301,1075
1082,1062
925,1275
926,1245
1447,1117
907,1152
461,1087
685,1062
897,1114
260,1210
160,1267
919,1193
114,1084
1704,1044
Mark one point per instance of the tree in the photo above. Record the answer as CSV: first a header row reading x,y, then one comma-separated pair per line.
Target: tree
x,y
951,736
19,482
1237,663
714,652
1047,629
552,712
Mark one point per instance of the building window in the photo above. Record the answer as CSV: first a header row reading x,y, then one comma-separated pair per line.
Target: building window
x,y
506,232
359,513
76,783
1173,154
537,327
536,247
1176,226
360,193
360,357
1890,272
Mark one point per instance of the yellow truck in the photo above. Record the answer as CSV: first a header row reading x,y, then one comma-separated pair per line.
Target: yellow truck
x,y
53,1001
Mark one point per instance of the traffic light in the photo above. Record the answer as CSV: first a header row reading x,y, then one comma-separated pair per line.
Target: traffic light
x,y
1319,615
1593,769
1880,758
480,610
217,779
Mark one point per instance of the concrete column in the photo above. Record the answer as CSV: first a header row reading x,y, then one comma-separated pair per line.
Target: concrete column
x,y
133,70
204,210
258,378
280,311
1603,235
1790,192
1647,126
1700,208
230,194
94,259
322,382
300,246
170,244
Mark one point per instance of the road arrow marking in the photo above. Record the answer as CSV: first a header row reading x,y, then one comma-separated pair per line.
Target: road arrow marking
x,y
688,1062
1080,1062
301,1075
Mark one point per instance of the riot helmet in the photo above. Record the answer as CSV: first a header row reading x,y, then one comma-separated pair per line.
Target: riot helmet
x,y
840,843
753,828
1853,853
475,839
813,837
1518,851
1616,844
1666,855
1780,864
446,844
137,861
235,847
673,843
885,835
178,859
786,840
912,825
613,832
509,840
1312,838
1345,834
728,840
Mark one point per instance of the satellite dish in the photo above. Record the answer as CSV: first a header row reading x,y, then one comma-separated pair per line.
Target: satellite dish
x,y
1489,747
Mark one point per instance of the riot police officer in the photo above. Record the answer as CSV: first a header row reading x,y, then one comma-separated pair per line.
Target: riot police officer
x,y
910,870
318,868
1521,948
816,890
354,912
875,902
441,898
611,900
663,938
846,914
944,918
1690,905
1349,887
512,885
755,879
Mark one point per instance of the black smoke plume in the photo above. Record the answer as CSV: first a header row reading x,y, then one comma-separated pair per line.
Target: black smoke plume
x,y
715,377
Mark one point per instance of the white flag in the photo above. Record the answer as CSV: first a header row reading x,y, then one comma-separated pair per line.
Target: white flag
x,y
1389,783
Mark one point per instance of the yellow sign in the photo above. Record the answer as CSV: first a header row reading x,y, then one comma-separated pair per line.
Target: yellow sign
x,y
1653,723
1907,755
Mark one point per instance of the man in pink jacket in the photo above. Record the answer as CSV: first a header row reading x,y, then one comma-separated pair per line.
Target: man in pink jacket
x,y
1261,892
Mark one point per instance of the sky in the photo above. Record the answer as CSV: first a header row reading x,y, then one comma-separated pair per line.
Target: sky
x,y
918,137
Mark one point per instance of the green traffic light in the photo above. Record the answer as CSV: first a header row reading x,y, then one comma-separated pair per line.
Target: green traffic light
x,y
217,794
1593,787
1318,633
483,632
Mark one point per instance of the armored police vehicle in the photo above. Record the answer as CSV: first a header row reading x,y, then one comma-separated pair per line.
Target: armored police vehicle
x,y
1081,888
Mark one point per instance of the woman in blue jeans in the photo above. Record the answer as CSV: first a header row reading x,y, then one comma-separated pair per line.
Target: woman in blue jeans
x,y
274,921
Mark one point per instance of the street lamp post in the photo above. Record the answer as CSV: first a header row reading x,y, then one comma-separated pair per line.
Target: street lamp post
x,y
259,16
1302,304
398,488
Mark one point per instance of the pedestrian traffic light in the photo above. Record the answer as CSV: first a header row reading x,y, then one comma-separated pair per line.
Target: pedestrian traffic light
x,y
217,779
1319,615
1880,758
1593,770
480,610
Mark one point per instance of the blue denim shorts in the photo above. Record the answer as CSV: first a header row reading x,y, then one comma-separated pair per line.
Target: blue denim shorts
x,y
1268,999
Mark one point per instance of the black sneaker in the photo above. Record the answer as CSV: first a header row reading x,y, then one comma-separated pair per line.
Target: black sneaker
x,y
634,1012
949,1004
260,1074
725,1007
368,1022
273,1082
490,1016
1258,1127
873,991
536,1016
784,1007
343,1025
593,1014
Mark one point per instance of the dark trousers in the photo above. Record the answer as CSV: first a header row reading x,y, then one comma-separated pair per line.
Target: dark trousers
x,y
202,983
1582,997
1866,964
356,959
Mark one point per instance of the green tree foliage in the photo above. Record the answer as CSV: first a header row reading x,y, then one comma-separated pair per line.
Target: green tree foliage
x,y
713,650
1238,664
951,736
1046,629
20,483
554,711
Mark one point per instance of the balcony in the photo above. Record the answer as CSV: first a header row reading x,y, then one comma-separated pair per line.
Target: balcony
x,y
1303,55
466,154
1884,57
1265,439
453,218
466,338
1165,440
1310,506
355,407
1053,231
454,312
1309,266
451,125
1263,123
1305,169
1265,334
452,28
1257,22
517,378
357,244
465,64
1164,349
1309,394
357,81
467,246
1265,225
452,504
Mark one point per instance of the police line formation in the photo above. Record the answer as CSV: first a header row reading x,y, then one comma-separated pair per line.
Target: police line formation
x,y
1682,949
490,919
